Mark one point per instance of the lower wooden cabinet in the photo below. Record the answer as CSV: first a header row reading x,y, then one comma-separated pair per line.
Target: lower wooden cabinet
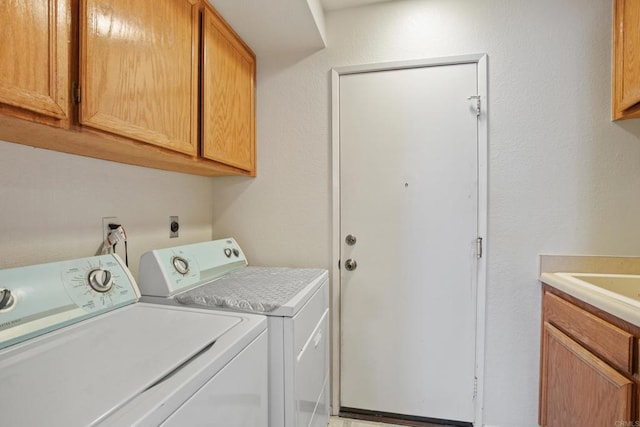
x,y
588,365
578,388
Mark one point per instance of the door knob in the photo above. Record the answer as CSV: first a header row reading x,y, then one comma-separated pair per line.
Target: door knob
x,y
350,240
350,264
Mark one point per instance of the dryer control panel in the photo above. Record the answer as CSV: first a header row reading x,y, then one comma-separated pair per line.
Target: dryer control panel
x,y
165,272
40,298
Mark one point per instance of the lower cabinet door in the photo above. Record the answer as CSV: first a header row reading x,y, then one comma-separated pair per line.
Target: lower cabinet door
x,y
577,388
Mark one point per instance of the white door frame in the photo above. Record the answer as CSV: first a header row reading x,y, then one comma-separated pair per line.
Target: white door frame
x,y
483,142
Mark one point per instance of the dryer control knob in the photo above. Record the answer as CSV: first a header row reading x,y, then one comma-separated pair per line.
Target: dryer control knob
x,y
227,252
180,264
100,280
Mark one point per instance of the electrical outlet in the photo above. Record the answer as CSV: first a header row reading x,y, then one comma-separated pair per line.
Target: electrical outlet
x,y
105,225
174,226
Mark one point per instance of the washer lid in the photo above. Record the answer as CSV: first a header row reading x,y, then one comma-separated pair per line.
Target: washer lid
x,y
80,374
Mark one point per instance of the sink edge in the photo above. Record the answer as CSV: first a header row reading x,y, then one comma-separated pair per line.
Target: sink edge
x,y
615,304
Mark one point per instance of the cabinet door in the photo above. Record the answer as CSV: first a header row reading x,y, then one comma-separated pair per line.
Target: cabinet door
x,y
34,58
139,70
577,388
626,62
228,111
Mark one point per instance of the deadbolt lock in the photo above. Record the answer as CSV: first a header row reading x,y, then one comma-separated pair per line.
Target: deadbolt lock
x,y
350,240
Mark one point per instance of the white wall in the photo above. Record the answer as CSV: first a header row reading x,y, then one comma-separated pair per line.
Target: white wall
x,y
52,204
562,177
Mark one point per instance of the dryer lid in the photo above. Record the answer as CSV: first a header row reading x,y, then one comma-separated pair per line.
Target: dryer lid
x,y
253,289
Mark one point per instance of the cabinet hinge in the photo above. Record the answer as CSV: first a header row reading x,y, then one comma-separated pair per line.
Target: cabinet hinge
x,y
479,247
477,98
77,93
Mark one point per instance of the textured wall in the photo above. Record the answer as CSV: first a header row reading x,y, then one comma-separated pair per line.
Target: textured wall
x,y
562,177
52,204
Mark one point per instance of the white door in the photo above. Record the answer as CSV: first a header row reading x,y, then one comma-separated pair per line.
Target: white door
x,y
409,195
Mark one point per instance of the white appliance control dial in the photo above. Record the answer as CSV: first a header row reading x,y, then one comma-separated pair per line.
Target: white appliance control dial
x,y
227,252
6,299
180,264
98,283
100,280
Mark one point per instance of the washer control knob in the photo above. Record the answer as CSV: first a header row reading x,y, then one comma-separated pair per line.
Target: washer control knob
x,y
236,252
6,299
100,280
180,264
227,252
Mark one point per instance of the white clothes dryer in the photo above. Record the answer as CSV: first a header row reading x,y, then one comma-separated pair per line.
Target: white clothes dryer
x,y
216,275
77,349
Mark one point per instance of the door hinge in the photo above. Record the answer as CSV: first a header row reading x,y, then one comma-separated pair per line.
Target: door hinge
x,y
475,388
479,247
77,93
477,98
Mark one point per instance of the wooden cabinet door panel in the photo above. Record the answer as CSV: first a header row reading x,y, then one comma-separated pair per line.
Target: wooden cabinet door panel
x,y
228,116
601,337
578,389
628,40
34,58
139,70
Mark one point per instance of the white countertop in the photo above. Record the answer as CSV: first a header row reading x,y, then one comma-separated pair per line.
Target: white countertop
x,y
616,305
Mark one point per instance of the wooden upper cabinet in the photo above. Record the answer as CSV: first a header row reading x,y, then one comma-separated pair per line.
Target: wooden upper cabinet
x,y
165,84
139,70
626,59
34,59
228,95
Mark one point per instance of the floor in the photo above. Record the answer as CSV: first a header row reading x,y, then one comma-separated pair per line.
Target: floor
x,y
346,422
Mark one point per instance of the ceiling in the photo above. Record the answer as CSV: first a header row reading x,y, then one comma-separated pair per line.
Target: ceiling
x,y
278,27
343,4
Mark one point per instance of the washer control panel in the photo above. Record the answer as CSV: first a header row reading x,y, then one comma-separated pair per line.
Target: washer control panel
x,y
40,298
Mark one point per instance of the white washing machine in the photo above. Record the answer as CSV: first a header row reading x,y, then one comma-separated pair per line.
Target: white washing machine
x,y
77,349
216,274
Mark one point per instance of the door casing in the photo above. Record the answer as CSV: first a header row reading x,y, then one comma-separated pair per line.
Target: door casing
x,y
483,141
